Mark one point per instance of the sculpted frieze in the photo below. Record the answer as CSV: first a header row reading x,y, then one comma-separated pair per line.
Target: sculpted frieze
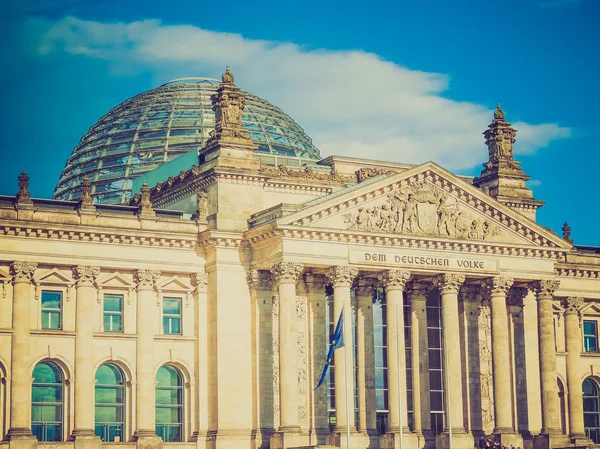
x,y
424,209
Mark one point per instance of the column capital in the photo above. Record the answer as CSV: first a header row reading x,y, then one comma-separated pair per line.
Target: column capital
x,y
286,272
497,285
394,279
22,271
364,288
341,276
418,290
573,305
516,296
200,281
85,275
449,282
545,288
471,293
146,279
315,283
259,279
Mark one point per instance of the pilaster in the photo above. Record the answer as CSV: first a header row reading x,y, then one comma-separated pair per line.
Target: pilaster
x,y
200,283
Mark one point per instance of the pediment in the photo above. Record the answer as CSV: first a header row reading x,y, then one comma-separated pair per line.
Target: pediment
x,y
425,201
54,276
116,280
174,283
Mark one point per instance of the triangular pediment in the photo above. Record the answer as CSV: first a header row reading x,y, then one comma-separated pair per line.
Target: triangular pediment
x,y
174,283
54,276
425,201
116,280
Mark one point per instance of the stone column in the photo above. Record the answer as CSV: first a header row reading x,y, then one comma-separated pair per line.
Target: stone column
x,y
200,282
85,277
394,282
146,382
315,289
497,288
285,275
416,292
341,278
550,411
20,369
449,284
366,357
573,335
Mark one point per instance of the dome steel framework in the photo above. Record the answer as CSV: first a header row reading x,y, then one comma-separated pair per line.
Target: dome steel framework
x,y
156,126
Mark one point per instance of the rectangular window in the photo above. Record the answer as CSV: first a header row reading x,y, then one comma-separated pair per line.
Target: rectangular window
x,y
590,336
172,315
113,313
51,309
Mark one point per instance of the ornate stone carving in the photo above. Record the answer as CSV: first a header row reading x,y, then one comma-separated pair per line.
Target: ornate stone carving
x,y
364,288
448,283
202,212
286,272
315,283
85,275
146,279
394,279
566,230
282,171
200,281
86,201
301,307
516,296
275,311
422,208
22,271
573,304
145,203
365,173
252,278
471,293
341,275
497,285
258,279
23,195
418,290
485,367
545,288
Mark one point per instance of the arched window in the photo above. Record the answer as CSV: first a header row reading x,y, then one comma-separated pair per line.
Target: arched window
x,y
591,411
110,403
169,404
47,402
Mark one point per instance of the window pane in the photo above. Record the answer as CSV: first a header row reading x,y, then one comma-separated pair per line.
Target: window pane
x,y
171,306
113,303
175,326
108,414
589,327
168,376
54,320
109,395
116,323
51,300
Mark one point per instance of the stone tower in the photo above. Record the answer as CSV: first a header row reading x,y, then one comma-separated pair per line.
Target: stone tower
x,y
502,177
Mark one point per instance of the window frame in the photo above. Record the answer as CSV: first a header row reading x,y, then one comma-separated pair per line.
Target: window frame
x,y
60,404
171,317
122,405
181,407
59,311
586,336
121,314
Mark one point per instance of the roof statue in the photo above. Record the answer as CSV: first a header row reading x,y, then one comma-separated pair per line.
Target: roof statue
x,y
86,201
227,77
500,138
23,195
498,113
145,203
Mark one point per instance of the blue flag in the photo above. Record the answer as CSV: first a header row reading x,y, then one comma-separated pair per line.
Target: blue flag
x,y
336,343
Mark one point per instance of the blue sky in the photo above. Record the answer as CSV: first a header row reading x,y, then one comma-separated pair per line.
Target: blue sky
x,y
405,81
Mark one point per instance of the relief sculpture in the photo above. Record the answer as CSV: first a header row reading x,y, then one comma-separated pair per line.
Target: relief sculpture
x,y
422,209
485,353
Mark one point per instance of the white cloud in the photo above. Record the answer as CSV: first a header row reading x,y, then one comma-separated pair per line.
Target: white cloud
x,y
351,103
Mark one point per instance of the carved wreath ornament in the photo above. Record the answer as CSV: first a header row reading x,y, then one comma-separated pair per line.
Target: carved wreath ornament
x,y
422,209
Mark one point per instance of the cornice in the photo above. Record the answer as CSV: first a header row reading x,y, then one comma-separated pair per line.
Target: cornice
x,y
147,238
583,271
210,238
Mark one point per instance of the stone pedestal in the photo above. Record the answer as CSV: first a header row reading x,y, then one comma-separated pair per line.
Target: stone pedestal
x,y
87,441
149,442
408,440
358,440
550,440
286,440
22,441
459,441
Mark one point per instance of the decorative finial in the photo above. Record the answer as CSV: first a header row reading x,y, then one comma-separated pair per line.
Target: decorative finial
x,y
145,203
23,195
86,200
566,229
202,211
499,113
227,77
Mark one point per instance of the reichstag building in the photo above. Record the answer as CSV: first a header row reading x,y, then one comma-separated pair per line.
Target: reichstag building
x,y
183,287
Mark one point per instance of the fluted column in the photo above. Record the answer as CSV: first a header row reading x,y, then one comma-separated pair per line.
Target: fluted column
x,y
394,282
573,337
146,319
200,283
550,411
449,284
85,277
416,292
341,278
365,358
20,385
285,275
497,288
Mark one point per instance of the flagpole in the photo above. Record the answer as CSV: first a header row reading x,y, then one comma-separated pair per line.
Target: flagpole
x,y
348,349
400,423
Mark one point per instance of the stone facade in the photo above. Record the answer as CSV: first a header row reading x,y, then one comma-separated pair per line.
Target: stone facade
x,y
232,296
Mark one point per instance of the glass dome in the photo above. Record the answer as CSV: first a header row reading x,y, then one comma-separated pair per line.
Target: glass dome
x,y
156,126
